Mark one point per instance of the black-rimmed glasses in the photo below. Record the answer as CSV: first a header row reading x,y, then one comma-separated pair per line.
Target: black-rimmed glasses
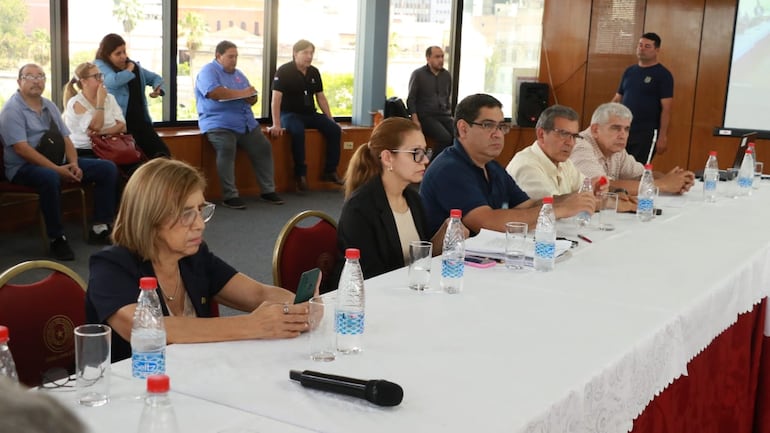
x,y
419,154
55,378
565,135
206,211
489,125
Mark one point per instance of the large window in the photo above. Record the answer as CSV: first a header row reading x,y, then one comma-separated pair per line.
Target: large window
x,y
25,37
331,26
201,26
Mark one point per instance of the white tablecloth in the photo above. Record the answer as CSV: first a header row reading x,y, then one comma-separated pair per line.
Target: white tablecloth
x,y
581,349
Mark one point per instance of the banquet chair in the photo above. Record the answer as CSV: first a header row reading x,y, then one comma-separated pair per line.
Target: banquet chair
x,y
12,194
301,246
41,317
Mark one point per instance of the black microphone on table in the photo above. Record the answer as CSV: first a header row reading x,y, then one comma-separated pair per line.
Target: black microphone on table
x,y
380,392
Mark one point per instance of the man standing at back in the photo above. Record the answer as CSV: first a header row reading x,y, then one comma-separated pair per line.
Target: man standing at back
x,y
296,87
429,105
224,98
647,88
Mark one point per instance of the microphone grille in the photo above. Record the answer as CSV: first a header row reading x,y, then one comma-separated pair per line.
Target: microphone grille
x,y
384,393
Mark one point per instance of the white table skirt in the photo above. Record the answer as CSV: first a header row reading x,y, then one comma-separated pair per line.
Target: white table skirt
x,y
581,349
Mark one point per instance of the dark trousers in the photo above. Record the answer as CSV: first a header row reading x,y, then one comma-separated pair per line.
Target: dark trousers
x,y
440,129
148,140
296,124
639,142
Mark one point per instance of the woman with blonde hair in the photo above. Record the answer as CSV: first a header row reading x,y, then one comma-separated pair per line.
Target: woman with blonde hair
x,y
383,212
159,233
91,110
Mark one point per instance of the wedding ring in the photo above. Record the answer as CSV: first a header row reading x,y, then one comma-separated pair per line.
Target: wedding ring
x,y
285,308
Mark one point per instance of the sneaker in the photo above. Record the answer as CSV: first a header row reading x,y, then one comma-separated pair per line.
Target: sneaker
x,y
301,183
60,249
332,177
272,198
234,203
102,238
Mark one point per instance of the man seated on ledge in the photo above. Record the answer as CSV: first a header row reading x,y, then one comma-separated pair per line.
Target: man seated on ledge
x,y
296,87
466,176
224,98
24,120
601,151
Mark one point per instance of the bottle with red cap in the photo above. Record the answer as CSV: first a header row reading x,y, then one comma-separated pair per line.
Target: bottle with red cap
x,y
158,414
584,218
349,314
711,178
545,237
148,333
7,366
746,173
646,197
453,254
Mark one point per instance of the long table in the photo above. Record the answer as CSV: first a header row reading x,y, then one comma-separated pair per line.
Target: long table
x,y
585,348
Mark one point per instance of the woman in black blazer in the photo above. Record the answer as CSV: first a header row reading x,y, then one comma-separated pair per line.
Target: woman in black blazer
x,y
383,212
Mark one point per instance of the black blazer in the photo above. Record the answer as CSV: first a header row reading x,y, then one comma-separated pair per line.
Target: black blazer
x,y
367,223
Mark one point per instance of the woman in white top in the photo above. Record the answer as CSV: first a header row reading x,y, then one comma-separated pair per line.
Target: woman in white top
x,y
90,111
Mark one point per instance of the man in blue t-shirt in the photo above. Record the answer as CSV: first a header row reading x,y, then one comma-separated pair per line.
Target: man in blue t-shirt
x,y
224,98
466,176
647,88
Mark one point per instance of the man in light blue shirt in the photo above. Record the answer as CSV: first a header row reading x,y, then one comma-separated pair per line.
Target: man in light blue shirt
x,y
224,98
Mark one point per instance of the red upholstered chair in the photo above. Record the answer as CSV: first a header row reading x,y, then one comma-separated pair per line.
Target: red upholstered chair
x,y
301,246
12,194
41,317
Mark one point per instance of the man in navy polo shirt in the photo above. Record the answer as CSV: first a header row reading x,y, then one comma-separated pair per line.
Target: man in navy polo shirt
x,y
224,98
466,176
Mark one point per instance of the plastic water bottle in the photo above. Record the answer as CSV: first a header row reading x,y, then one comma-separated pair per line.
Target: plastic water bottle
x,y
545,237
646,197
7,366
453,254
711,178
349,314
746,174
584,218
158,414
148,335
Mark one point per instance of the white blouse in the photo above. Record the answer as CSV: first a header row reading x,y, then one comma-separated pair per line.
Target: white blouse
x,y
78,123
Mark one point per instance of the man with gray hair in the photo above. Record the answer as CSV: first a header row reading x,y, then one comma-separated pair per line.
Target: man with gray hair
x,y
601,150
224,98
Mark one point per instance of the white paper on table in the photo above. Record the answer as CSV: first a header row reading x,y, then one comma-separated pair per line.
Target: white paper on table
x,y
489,243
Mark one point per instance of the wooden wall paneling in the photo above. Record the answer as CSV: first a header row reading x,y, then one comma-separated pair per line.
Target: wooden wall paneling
x,y
517,139
679,24
564,51
711,87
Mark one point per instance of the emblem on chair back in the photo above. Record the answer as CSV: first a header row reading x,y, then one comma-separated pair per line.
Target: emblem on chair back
x,y
41,317
302,247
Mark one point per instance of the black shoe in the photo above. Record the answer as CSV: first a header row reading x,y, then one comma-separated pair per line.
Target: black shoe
x,y
271,198
60,249
301,183
102,238
234,203
332,177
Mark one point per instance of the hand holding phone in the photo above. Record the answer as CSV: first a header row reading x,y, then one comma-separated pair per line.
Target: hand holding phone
x,y
308,285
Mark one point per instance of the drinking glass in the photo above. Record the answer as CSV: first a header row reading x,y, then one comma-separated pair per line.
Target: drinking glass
x,y
321,321
92,364
608,208
515,243
758,168
420,257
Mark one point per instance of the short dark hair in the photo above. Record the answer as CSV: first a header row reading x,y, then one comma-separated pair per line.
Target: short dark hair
x,y
109,43
301,45
653,37
548,116
429,50
468,109
223,46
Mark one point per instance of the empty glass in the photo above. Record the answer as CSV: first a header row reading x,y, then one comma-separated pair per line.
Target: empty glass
x,y
420,257
758,168
608,208
321,321
92,364
515,244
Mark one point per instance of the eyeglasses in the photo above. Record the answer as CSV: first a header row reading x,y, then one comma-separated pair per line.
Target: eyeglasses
x,y
206,211
566,135
56,377
33,77
99,76
489,125
418,154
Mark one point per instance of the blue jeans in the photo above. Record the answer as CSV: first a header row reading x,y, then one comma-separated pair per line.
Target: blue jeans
x,y
296,124
103,174
260,153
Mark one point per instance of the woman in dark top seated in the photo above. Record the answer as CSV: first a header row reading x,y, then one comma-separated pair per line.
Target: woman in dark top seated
x,y
126,81
383,213
159,233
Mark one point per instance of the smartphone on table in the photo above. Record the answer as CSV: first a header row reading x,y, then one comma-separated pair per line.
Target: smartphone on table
x,y
479,262
308,284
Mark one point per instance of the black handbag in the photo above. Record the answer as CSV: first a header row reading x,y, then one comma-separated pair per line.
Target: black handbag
x,y
51,144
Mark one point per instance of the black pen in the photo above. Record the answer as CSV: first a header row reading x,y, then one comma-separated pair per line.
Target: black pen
x,y
657,211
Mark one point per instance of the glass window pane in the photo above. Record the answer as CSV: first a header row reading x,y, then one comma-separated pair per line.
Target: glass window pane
x,y
25,37
414,26
202,25
500,46
138,22
331,26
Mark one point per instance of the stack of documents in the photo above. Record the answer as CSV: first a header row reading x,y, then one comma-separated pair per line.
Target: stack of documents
x,y
489,243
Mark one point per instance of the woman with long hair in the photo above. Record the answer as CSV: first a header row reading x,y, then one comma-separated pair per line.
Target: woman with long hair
x,y
126,80
383,212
